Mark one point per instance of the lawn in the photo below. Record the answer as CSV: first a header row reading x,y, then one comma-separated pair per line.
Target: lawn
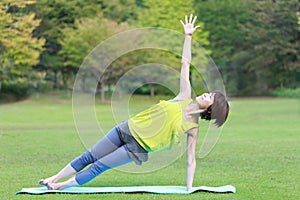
x,y
258,151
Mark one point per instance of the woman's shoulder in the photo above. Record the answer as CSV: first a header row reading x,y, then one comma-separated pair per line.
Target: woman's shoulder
x,y
190,117
179,100
173,100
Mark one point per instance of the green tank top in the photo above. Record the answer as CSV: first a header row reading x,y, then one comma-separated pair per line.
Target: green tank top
x,y
159,126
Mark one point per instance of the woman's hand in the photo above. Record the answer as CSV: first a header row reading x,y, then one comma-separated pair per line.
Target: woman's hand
x,y
188,26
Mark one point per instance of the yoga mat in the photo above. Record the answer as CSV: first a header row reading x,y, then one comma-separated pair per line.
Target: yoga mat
x,y
131,189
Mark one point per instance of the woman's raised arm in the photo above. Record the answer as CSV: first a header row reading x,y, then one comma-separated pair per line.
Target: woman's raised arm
x,y
185,86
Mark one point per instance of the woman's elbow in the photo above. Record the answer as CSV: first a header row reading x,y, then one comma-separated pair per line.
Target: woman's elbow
x,y
185,63
191,163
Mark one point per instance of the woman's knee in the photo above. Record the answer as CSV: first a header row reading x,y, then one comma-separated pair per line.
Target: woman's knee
x,y
82,161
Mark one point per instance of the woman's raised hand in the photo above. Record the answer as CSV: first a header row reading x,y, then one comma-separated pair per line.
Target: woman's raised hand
x,y
188,26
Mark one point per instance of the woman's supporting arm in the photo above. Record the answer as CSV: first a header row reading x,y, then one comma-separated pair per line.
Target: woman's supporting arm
x,y
191,157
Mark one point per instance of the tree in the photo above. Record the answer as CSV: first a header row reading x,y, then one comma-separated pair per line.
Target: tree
x,y
166,14
20,51
298,14
271,53
222,20
56,15
120,10
254,43
80,41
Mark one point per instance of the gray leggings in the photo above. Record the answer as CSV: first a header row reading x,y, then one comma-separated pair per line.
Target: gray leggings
x,y
109,152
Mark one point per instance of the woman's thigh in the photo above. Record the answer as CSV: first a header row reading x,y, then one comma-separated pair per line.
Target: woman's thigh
x,y
109,143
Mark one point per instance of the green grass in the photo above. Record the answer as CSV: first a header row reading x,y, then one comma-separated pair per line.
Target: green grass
x,y
258,151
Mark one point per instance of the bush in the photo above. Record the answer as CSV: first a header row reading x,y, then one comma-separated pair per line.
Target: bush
x,y
287,92
20,88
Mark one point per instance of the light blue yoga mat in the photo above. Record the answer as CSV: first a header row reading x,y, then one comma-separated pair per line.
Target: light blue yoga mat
x,y
131,189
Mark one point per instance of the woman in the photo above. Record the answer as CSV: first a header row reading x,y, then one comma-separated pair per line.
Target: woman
x,y
151,130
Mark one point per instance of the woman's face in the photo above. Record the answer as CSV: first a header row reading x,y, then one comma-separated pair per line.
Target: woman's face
x,y
205,100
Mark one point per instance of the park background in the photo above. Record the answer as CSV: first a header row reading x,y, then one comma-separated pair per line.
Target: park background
x,y
255,44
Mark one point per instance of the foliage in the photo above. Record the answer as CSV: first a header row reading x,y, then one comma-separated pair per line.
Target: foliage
x,y
222,19
57,15
19,49
286,92
20,87
255,44
167,15
83,38
87,33
271,51
298,14
120,10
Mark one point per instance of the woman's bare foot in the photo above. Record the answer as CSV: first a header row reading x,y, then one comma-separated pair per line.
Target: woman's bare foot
x,y
62,185
68,170
55,186
46,181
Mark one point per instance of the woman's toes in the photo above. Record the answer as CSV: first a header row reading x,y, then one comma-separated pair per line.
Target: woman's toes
x,y
43,182
54,186
51,186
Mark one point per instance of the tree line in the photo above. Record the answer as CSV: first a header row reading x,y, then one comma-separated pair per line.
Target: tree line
x,y
255,44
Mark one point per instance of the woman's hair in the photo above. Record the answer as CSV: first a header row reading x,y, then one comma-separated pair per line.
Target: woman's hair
x,y
218,110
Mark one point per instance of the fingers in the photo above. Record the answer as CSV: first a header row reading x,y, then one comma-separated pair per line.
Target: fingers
x,y
197,27
182,22
189,24
191,20
194,20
